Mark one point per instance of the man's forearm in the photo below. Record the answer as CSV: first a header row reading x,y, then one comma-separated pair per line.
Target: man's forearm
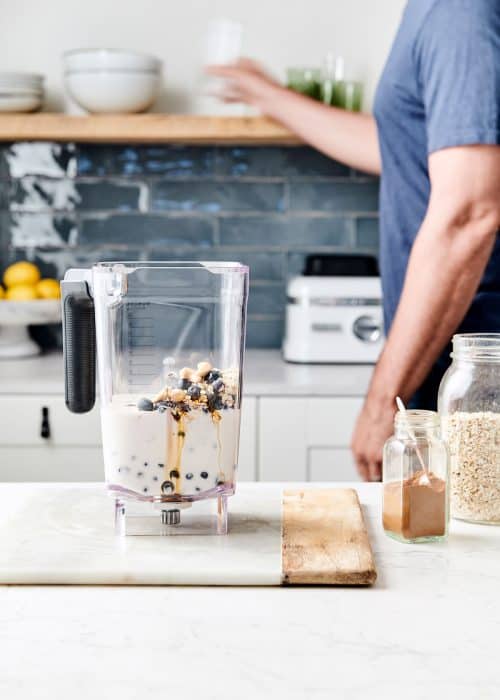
x,y
444,272
348,137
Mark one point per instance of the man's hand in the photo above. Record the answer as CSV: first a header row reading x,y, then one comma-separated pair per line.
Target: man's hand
x,y
373,427
245,81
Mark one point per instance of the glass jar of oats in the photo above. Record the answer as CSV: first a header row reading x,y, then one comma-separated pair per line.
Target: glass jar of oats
x,y
469,405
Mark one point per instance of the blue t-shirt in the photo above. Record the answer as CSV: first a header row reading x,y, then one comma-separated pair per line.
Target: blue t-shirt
x,y
440,88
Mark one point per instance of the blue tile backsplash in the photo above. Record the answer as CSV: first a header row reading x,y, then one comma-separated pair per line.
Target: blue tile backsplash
x,y
63,205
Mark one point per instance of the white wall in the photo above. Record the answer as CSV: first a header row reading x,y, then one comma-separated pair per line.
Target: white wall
x,y
279,33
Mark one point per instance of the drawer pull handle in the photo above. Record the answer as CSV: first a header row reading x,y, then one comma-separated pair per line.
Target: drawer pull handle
x,y
45,427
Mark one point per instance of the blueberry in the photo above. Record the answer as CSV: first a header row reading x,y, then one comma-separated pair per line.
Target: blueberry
x,y
204,475
212,376
215,403
218,385
145,464
167,487
197,488
155,478
145,489
194,392
189,475
161,465
140,473
184,384
145,405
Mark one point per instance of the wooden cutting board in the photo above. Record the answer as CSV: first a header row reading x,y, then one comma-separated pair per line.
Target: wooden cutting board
x,y
324,539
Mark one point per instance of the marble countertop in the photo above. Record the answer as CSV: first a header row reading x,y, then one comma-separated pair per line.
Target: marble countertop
x,y
427,629
266,374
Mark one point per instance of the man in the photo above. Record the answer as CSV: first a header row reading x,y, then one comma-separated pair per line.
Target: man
x,y
435,141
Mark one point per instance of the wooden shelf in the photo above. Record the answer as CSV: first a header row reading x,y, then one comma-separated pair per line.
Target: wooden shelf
x,y
143,128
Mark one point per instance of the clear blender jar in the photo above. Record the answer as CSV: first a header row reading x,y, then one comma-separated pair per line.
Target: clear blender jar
x,y
170,343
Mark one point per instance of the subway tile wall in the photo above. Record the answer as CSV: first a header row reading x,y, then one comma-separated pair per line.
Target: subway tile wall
x,y
63,205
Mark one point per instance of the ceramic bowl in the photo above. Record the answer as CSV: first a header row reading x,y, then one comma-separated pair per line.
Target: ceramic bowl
x,y
15,316
109,59
27,81
103,92
20,101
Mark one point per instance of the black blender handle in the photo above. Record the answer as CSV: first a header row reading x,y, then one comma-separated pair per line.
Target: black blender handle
x,y
79,347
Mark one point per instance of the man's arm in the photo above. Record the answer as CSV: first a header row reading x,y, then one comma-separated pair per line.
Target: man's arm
x,y
348,137
445,268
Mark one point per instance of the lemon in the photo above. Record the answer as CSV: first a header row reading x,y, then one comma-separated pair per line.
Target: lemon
x,y
48,289
21,273
21,292
2,292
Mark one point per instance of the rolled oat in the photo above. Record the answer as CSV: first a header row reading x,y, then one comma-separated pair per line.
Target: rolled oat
x,y
474,444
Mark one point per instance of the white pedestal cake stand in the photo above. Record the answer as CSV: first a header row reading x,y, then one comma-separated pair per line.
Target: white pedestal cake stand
x,y
16,316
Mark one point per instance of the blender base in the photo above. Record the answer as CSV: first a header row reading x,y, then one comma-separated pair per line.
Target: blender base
x,y
204,517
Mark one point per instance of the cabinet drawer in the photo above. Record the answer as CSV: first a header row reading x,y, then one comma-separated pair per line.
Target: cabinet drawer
x,y
330,421
21,422
51,464
248,439
331,464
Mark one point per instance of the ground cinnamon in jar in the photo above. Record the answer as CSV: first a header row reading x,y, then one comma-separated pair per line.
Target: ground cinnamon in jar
x,y
415,507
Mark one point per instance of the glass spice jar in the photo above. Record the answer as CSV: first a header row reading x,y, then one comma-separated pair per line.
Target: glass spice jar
x,y
469,405
415,479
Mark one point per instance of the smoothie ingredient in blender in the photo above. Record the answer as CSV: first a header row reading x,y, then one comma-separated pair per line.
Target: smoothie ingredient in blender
x,y
187,445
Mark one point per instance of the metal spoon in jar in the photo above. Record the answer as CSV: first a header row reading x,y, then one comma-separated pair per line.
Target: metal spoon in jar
x,y
424,479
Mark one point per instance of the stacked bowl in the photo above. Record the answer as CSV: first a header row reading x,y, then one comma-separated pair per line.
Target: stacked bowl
x,y
111,81
20,92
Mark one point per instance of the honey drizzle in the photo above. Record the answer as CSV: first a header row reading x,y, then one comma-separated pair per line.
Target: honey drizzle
x,y
216,419
174,449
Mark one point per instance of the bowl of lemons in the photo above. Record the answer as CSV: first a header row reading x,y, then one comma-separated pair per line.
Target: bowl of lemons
x,y
25,300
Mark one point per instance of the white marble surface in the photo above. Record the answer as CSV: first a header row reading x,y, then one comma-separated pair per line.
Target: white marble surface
x,y
64,534
266,374
428,629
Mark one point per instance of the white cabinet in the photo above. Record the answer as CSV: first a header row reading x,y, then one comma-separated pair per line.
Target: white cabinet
x,y
40,440
22,419
306,439
247,462
330,464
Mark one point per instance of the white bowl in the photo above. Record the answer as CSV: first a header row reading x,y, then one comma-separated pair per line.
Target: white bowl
x,y
28,80
19,102
15,316
103,92
110,59
34,312
11,90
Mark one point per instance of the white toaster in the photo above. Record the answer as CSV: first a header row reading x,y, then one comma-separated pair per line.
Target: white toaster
x,y
334,311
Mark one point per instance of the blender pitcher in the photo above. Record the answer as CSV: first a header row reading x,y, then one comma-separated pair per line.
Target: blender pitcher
x,y
170,343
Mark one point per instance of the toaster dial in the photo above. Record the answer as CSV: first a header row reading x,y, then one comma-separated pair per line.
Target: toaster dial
x,y
367,328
